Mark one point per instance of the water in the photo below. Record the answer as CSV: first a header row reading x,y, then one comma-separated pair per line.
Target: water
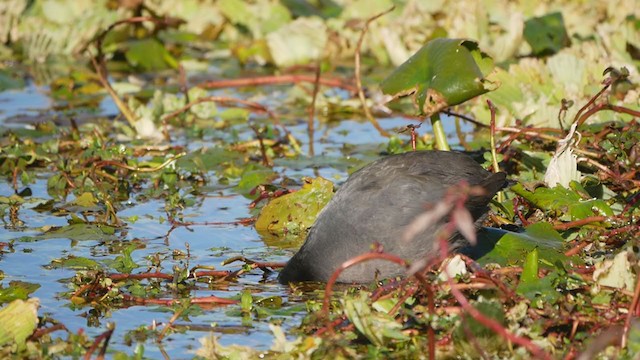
x,y
208,245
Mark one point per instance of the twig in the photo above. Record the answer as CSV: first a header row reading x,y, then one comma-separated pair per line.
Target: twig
x,y
106,336
278,79
465,117
363,101
579,223
169,325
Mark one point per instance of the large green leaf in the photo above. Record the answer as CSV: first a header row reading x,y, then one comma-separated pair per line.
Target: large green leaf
x,y
546,34
443,73
150,54
566,203
512,248
295,212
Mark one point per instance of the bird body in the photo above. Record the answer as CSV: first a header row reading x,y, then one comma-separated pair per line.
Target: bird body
x,y
375,205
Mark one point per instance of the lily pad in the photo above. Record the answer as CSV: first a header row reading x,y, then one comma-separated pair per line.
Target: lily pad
x,y
443,73
295,212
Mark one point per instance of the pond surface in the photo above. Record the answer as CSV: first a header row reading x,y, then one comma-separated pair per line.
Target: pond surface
x,y
207,245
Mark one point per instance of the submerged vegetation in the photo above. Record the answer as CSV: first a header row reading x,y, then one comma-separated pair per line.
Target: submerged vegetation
x,y
185,148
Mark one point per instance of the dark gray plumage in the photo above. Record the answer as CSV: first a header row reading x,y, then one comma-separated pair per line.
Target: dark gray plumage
x,y
376,204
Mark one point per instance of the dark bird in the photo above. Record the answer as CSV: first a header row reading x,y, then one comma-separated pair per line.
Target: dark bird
x,y
376,204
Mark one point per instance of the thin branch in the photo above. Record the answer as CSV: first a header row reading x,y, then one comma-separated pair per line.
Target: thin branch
x,y
363,101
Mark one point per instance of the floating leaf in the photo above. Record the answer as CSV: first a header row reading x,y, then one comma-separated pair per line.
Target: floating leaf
x,y
546,34
252,176
512,248
75,263
295,212
124,263
17,290
75,232
443,73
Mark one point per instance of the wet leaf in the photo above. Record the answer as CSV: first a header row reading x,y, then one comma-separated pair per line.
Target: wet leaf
x,y
18,321
17,290
76,232
252,176
443,73
295,212
76,263
124,263
563,202
546,34
512,248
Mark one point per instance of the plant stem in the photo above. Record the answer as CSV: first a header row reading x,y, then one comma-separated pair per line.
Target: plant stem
x,y
438,132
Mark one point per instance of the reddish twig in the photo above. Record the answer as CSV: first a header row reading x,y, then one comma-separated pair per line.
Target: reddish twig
x,y
44,331
277,80
106,336
250,105
169,302
579,223
349,263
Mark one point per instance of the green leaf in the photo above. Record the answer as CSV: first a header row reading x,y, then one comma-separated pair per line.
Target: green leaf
x,y
149,55
566,203
443,73
295,212
252,176
470,327
541,291
546,34
18,321
17,290
124,263
236,11
75,263
512,248
375,326
75,232
530,267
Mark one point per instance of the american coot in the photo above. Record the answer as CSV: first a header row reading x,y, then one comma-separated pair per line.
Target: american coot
x,y
376,204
